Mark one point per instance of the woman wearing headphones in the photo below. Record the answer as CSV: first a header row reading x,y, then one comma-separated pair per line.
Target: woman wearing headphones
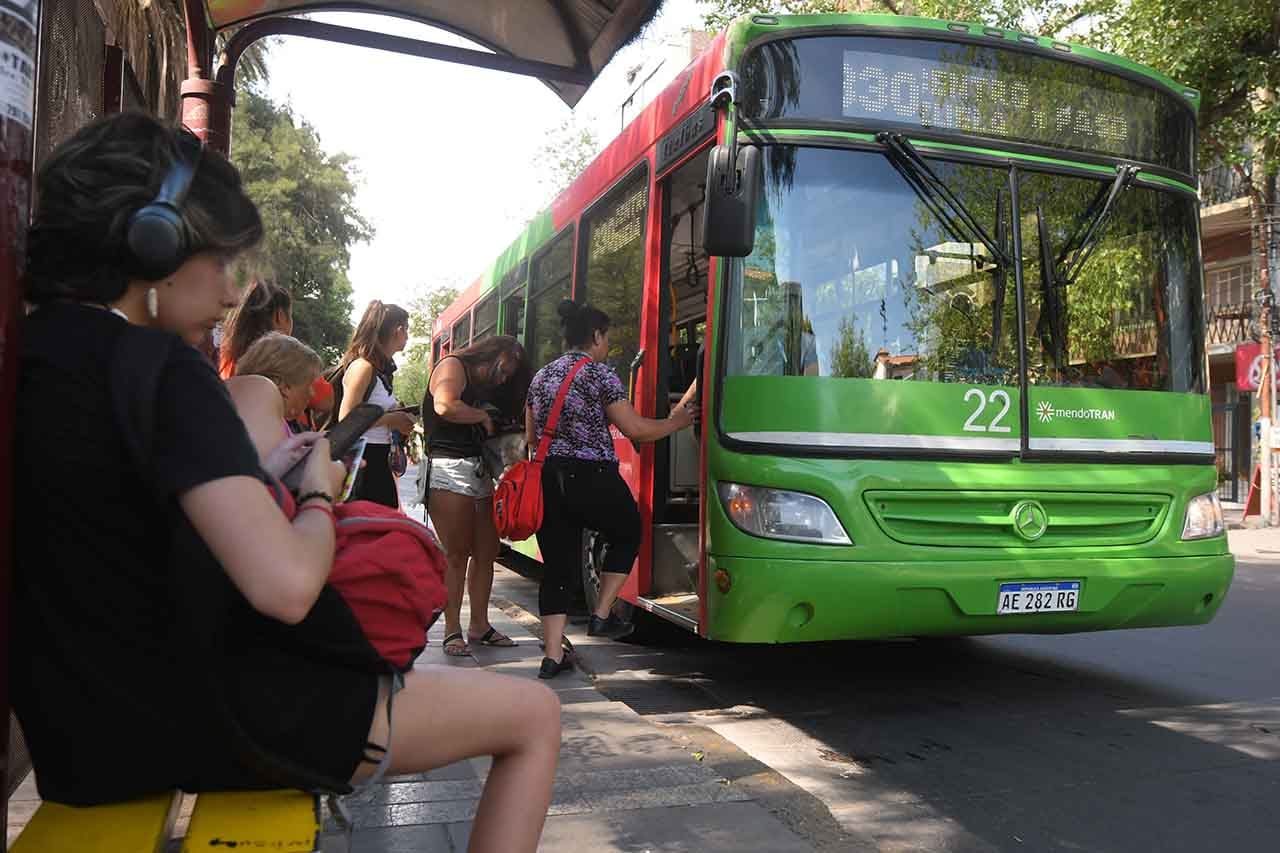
x,y
119,694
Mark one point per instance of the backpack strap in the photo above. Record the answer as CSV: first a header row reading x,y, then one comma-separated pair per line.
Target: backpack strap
x,y
553,419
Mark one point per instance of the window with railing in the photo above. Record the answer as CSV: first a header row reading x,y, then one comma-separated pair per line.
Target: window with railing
x,y
1228,285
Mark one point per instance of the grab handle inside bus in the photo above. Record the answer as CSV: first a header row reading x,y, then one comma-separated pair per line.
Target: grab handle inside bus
x,y
631,376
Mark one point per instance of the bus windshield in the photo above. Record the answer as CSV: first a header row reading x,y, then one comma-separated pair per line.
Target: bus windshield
x,y
855,274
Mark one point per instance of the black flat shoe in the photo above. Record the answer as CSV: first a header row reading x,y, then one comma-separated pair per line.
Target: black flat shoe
x,y
550,668
612,628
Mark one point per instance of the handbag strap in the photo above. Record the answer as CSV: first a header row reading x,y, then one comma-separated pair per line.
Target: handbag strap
x,y
553,419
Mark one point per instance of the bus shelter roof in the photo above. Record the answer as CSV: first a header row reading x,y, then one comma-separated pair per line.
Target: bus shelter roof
x,y
565,43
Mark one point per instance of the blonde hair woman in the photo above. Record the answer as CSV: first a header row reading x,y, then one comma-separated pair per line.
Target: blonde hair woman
x,y
292,367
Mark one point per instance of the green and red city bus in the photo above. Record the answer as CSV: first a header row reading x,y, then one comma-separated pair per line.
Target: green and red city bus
x,y
941,286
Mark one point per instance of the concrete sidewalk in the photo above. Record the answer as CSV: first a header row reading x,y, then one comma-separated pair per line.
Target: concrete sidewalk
x,y
621,784
1258,545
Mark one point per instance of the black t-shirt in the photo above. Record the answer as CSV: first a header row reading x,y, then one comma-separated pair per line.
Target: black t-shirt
x,y
104,681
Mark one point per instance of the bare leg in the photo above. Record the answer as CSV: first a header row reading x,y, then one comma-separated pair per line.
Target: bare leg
x,y
484,551
610,585
444,715
454,518
553,635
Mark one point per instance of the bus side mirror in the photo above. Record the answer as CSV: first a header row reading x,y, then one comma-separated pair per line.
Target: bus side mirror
x,y
729,216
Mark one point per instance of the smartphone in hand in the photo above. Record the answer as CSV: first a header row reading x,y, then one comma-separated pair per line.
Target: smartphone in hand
x,y
354,460
342,439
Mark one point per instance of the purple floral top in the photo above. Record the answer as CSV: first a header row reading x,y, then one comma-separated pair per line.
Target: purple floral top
x,y
583,430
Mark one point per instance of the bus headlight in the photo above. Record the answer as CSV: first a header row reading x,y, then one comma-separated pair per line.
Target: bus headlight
x,y
1204,517
777,514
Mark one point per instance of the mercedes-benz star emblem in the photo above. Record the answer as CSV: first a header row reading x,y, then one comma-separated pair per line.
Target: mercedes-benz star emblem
x,y
1030,521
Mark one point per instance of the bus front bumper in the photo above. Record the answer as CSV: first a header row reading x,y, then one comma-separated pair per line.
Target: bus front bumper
x,y
793,601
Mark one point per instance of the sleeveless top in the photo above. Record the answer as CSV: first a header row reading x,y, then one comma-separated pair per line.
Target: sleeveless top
x,y
445,439
381,396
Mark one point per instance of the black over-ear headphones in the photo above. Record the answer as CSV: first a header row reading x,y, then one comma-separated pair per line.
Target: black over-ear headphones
x,y
157,236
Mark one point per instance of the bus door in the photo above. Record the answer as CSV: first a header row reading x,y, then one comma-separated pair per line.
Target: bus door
x,y
610,270
682,314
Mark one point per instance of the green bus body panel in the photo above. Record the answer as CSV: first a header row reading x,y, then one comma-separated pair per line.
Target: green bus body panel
x,y
966,413
797,601
539,231
1121,415
746,30
881,587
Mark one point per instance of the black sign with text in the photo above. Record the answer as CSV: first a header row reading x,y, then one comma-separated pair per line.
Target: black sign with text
x,y
693,130
969,89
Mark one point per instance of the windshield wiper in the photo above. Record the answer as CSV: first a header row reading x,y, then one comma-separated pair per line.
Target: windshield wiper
x,y
1088,231
1000,277
937,196
1049,326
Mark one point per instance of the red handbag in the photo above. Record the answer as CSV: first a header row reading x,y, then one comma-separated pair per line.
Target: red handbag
x,y
517,502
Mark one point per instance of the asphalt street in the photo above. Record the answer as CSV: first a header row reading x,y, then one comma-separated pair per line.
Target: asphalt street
x,y
1156,739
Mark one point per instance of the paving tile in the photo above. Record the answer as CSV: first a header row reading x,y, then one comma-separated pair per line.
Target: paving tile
x,y
459,834
408,814
416,792
635,778
677,795
402,839
716,828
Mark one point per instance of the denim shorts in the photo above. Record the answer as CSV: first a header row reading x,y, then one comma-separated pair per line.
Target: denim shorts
x,y
468,476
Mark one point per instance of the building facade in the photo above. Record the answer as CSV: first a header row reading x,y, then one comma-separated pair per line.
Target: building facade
x,y
1231,271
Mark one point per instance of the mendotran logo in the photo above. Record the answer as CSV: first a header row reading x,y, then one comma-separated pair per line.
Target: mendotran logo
x,y
1046,412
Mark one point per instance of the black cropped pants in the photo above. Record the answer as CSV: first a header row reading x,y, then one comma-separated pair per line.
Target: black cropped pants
x,y
579,494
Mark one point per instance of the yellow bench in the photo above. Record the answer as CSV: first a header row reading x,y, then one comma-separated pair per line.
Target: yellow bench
x,y
278,821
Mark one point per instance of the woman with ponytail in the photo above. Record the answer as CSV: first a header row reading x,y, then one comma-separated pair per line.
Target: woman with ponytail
x,y
581,486
267,308
365,374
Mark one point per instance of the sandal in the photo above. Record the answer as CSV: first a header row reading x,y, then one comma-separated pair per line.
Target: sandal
x,y
493,637
455,646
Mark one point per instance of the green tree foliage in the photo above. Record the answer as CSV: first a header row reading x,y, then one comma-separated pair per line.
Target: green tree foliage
x,y
1230,51
849,354
307,200
411,379
569,149
1044,17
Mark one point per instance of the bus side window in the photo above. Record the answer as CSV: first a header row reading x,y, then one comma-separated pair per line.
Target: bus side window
x,y
613,259
550,277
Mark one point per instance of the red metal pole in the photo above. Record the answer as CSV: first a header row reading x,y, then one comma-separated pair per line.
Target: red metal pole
x,y
17,106
206,103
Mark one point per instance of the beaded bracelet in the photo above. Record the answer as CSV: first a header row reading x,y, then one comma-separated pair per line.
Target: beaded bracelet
x,y
324,496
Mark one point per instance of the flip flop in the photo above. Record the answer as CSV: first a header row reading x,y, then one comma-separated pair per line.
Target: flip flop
x,y
493,638
455,646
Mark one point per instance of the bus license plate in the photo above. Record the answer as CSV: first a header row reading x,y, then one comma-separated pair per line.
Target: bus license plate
x,y
1038,597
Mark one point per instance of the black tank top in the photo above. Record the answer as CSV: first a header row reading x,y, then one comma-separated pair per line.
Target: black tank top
x,y
445,439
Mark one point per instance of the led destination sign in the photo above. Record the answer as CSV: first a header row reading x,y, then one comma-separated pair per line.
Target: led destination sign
x,y
978,100
971,89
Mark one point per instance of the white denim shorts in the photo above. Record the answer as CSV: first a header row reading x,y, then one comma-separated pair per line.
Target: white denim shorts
x,y
468,476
